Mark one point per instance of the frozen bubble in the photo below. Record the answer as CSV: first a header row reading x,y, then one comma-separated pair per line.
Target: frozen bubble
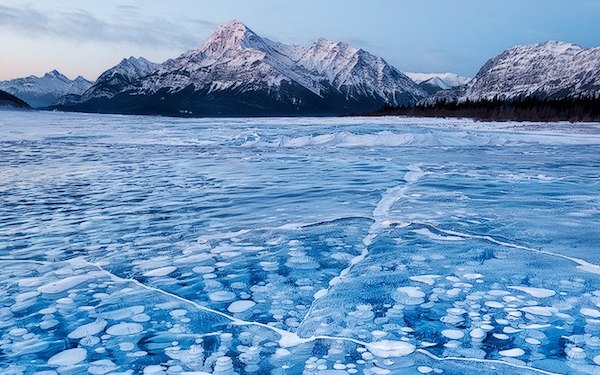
x,y
592,313
379,371
154,370
240,306
425,279
494,304
281,352
89,329
47,310
533,341
63,285
409,295
379,334
89,341
68,357
575,353
500,336
516,352
221,296
121,314
102,367
539,310
472,276
477,333
534,326
203,269
451,319
27,295
17,332
453,334
140,318
126,346
178,313
163,271
124,329
47,324
389,348
424,369
535,292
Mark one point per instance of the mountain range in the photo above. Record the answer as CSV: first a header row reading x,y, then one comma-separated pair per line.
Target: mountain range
x,y
239,73
236,72
41,92
434,82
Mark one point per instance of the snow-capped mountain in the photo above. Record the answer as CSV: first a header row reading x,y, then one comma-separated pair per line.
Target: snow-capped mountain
x,y
112,81
434,82
237,72
550,70
356,73
119,77
43,91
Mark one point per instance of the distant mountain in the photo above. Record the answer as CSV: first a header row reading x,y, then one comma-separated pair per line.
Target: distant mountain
x,y
11,102
434,82
43,91
239,73
547,71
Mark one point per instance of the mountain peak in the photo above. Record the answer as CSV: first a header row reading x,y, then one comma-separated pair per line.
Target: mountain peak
x,y
327,44
54,74
132,60
233,35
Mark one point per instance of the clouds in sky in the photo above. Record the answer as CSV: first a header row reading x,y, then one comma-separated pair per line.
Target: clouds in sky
x,y
127,26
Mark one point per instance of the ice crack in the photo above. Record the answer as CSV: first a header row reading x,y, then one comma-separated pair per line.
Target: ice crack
x,y
380,220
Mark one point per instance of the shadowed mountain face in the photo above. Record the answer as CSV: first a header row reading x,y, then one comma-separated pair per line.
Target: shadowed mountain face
x,y
238,73
10,101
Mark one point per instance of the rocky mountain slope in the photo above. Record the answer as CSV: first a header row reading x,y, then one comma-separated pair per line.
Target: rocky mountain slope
x,y
551,70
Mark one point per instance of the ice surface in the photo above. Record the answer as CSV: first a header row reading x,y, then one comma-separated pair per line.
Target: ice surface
x,y
297,246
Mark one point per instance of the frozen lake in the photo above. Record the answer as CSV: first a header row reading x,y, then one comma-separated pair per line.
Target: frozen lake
x,y
297,246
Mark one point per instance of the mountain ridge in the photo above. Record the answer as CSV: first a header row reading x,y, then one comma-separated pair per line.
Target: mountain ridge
x,y
237,72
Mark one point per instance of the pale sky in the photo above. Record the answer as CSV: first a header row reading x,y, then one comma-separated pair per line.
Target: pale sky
x,y
87,37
